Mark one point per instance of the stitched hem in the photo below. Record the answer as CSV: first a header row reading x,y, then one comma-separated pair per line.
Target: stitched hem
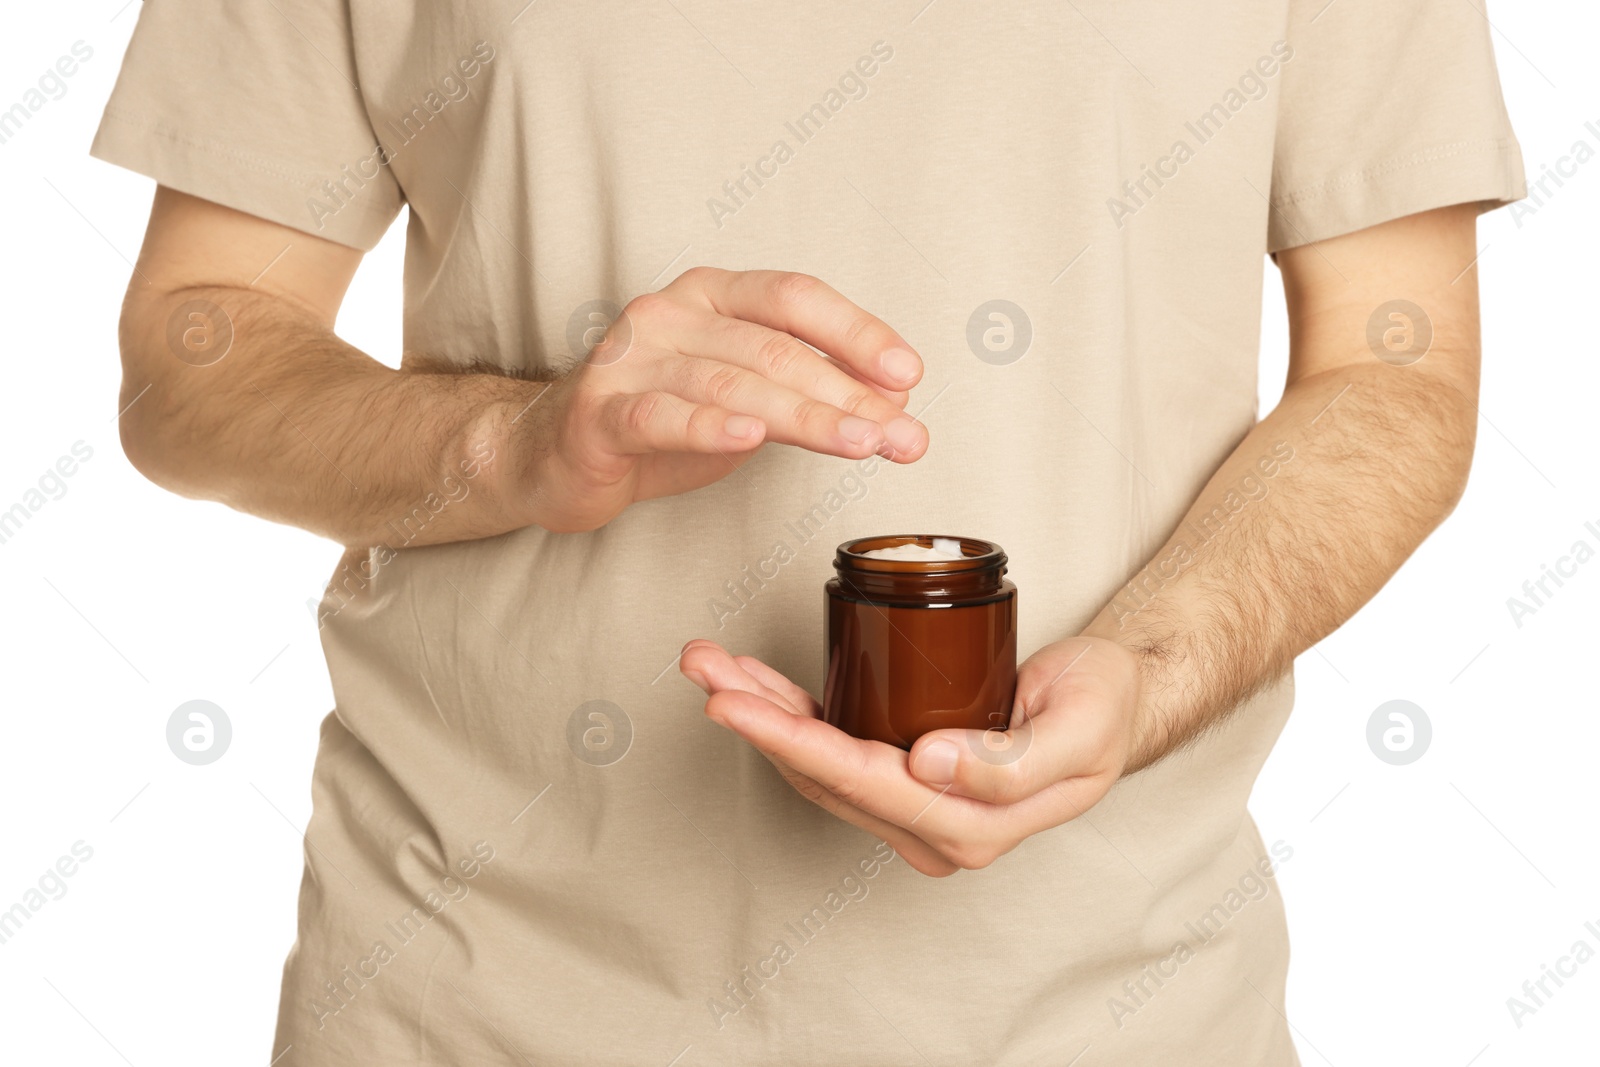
x,y
154,126
1362,177
240,180
1462,172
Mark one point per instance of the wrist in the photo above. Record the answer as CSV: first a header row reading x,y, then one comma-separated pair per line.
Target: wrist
x,y
1160,655
501,447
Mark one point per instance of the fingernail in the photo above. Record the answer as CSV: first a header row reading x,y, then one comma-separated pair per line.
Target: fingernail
x,y
936,764
856,430
900,365
697,678
741,426
904,434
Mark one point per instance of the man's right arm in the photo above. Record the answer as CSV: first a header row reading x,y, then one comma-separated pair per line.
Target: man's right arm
x,y
295,425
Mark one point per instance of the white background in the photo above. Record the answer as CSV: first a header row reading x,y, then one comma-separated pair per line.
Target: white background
x,y
1420,897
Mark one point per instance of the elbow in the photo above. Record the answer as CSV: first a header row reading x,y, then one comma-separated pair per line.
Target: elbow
x,y
1457,442
1453,484
135,432
143,426
139,442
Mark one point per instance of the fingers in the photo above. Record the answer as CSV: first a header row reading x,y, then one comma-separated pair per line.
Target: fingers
x,y
656,421
819,774
746,679
794,416
865,774
777,683
1000,767
1070,722
959,798
873,778
778,357
708,665
866,783
738,342
921,856
779,721
898,397
671,473
813,311
713,669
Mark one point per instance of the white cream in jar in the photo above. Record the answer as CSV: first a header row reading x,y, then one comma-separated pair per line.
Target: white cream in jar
x,y
944,548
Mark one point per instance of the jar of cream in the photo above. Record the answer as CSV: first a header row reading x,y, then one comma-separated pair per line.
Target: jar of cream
x,y
921,635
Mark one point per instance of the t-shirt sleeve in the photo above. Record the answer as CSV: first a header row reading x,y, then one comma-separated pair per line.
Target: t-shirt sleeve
x,y
1388,109
255,106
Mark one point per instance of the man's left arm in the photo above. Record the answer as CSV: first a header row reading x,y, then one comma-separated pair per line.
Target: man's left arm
x,y
1305,521
1326,497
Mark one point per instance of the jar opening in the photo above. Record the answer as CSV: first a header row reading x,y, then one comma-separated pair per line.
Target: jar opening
x,y
976,578
976,554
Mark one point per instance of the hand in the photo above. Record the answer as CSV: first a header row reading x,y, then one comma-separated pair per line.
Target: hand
x,y
960,798
690,381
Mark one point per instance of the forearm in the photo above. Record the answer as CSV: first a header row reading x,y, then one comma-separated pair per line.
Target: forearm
x,y
294,425
1311,514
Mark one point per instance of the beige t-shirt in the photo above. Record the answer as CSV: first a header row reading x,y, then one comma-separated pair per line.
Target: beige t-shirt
x,y
528,843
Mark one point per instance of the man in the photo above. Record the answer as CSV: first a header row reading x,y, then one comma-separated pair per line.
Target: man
x,y
1009,268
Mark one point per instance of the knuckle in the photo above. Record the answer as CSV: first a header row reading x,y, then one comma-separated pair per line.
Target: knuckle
x,y
780,356
859,328
970,855
642,412
703,422
859,400
698,277
811,791
649,307
722,385
848,789
791,288
848,783
813,415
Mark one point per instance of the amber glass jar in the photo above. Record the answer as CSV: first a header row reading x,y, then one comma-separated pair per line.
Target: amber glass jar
x,y
920,645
